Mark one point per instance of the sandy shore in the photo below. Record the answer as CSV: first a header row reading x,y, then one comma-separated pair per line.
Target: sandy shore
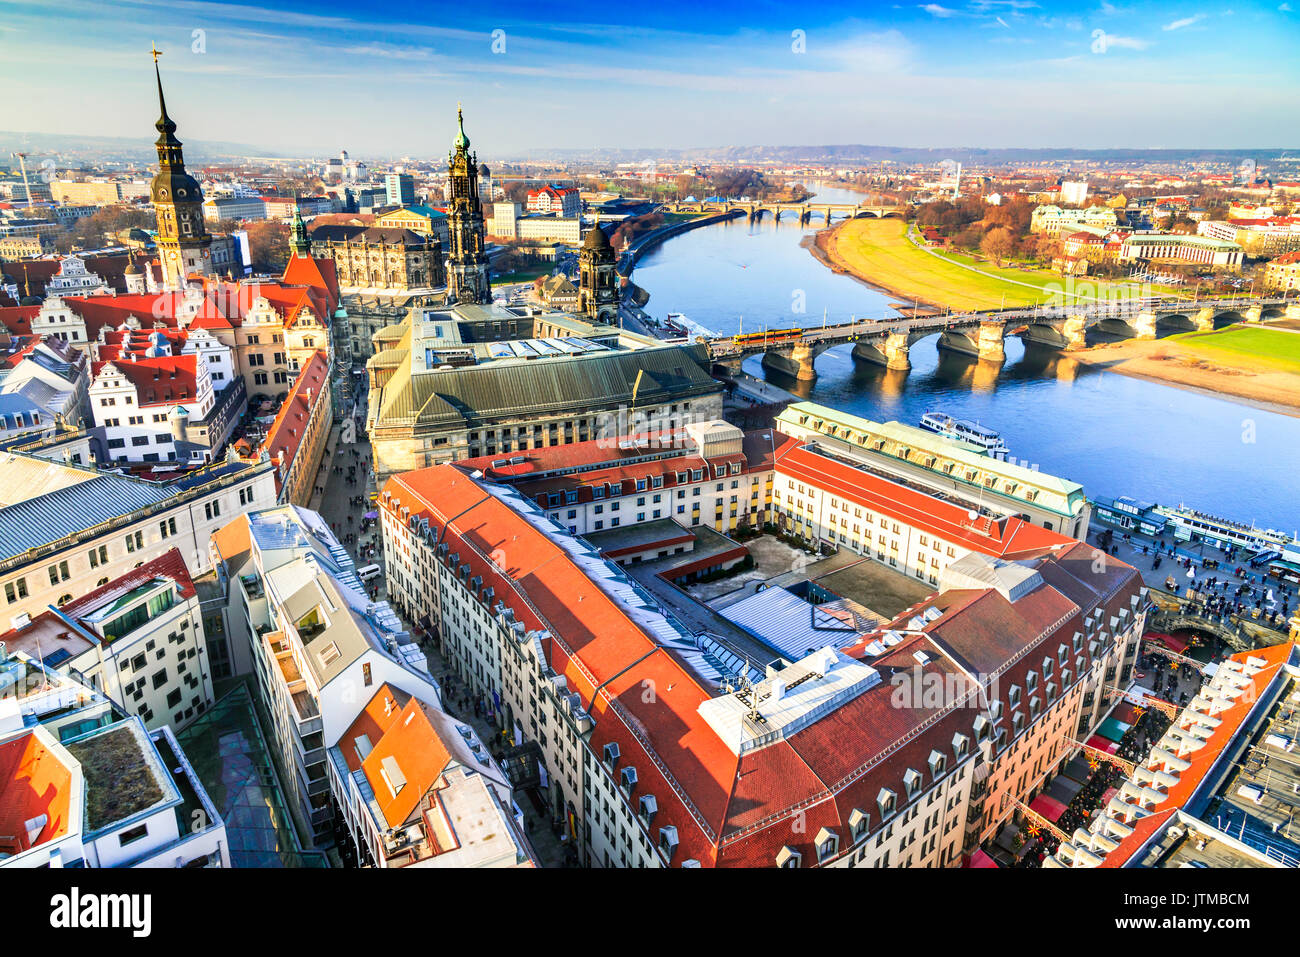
x,y
1165,362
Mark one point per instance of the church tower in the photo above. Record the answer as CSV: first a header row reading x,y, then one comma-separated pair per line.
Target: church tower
x,y
467,277
299,241
598,282
184,246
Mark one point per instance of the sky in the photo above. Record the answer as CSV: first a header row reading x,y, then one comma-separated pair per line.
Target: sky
x,y
383,80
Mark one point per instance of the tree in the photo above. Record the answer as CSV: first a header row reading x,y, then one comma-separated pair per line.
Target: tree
x,y
268,246
998,243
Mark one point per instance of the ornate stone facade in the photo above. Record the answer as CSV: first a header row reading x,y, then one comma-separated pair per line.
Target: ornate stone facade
x,y
467,263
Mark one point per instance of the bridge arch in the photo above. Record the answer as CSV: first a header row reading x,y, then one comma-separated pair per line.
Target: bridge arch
x,y
1042,333
1272,312
1176,322
1227,318
1116,327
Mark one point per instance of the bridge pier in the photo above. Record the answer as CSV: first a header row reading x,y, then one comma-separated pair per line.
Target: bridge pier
x,y
889,350
1146,324
1254,314
1075,331
1204,320
992,337
798,363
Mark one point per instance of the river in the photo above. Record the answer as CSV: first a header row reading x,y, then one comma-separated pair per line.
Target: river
x,y
1115,434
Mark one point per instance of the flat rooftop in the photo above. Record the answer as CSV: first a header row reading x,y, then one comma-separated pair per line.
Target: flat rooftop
x,y
877,586
124,775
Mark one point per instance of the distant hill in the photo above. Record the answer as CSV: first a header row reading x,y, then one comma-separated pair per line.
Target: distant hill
x,y
121,148
855,153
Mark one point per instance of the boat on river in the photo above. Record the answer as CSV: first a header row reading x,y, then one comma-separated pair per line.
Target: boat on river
x,y
965,430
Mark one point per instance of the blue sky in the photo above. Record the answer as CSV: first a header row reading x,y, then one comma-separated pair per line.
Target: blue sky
x,y
384,79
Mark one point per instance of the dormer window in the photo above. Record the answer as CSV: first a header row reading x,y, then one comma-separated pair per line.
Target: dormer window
x,y
860,823
668,840
827,843
960,745
1031,681
1048,667
647,808
888,802
938,764
611,755
628,776
912,781
981,728
788,858
1013,697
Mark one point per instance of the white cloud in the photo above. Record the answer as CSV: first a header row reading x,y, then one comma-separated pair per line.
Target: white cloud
x,y
1285,8
1185,22
937,11
1126,43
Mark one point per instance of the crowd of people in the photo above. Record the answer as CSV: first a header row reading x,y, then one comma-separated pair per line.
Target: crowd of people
x,y
1242,592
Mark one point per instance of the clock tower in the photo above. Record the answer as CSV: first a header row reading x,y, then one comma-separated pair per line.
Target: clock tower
x,y
184,246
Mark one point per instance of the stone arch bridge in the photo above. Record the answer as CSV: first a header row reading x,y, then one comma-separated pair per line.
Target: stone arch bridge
x,y
803,212
982,334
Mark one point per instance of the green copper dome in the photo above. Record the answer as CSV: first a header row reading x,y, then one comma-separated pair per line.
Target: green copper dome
x,y
462,141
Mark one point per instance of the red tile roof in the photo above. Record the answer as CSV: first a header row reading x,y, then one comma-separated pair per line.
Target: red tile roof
x,y
561,468
1005,537
18,319
1203,759
170,564
158,380
727,809
33,782
290,425
315,272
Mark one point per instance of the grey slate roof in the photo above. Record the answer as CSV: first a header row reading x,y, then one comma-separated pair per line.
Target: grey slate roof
x,y
512,389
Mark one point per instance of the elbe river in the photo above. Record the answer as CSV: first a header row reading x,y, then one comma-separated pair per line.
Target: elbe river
x,y
1114,434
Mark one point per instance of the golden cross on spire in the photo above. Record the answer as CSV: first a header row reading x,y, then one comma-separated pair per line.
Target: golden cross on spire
x,y
155,51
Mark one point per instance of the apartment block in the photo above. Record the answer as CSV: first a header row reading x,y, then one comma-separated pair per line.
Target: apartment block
x,y
82,785
661,749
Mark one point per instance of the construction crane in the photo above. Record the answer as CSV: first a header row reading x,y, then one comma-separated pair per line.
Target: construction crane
x,y
22,164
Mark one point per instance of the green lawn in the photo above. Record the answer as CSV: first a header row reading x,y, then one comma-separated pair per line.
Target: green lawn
x,y
1270,348
523,275
879,251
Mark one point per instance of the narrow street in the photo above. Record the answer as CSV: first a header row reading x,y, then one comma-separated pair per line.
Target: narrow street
x,y
343,502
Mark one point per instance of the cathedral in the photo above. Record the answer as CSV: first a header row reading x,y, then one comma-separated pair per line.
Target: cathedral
x,y
467,265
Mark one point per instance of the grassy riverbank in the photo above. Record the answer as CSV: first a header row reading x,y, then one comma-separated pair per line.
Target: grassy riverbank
x,y
879,252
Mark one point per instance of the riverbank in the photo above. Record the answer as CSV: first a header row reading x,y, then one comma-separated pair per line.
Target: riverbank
x,y
880,253
1173,363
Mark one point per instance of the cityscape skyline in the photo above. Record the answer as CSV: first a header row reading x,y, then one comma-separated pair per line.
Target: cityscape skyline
x,y
648,84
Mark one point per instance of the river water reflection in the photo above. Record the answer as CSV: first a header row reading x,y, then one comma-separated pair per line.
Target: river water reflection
x,y
1115,434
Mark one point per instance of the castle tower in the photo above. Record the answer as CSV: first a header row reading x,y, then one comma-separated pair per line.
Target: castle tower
x,y
184,246
467,277
598,281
